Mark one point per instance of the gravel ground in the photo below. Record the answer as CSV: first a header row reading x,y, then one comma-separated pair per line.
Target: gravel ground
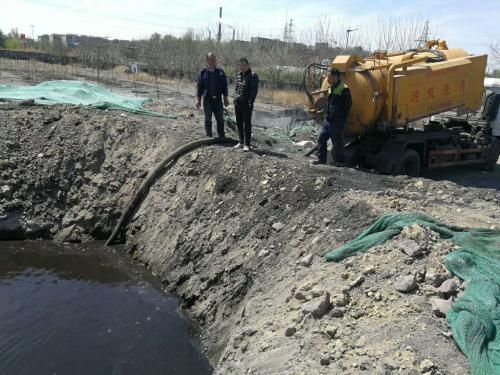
x,y
239,237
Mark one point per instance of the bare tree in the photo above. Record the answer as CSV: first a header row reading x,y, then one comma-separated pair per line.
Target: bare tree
x,y
154,58
495,49
94,53
397,33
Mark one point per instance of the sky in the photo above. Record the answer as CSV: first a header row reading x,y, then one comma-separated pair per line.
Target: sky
x,y
471,25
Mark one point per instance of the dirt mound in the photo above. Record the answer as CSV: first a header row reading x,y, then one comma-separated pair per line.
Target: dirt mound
x,y
239,237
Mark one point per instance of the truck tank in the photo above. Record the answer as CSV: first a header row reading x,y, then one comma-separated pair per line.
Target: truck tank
x,y
392,90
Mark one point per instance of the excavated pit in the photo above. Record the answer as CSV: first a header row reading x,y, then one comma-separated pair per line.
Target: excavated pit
x,y
239,237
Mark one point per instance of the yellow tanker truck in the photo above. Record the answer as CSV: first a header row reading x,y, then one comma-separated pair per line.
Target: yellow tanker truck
x,y
393,94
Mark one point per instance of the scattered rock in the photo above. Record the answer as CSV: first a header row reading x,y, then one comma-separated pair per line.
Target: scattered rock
x,y
325,360
290,331
250,331
261,231
31,227
386,274
318,306
307,260
361,342
406,284
429,290
357,281
278,226
426,365
209,186
194,156
331,331
448,287
369,270
263,253
73,233
6,191
300,296
316,292
411,248
320,183
337,312
340,300
435,277
414,232
237,340
419,184
420,274
440,307
305,144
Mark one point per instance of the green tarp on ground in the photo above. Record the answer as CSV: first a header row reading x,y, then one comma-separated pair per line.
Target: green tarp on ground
x,y
474,318
77,93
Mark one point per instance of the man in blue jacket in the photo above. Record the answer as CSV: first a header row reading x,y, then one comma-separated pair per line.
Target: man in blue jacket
x,y
212,86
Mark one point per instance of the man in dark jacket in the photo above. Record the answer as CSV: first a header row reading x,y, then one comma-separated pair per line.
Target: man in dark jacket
x,y
339,105
212,86
247,86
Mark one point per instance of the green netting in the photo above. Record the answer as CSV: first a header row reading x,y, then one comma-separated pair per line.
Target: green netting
x,y
304,127
77,93
474,318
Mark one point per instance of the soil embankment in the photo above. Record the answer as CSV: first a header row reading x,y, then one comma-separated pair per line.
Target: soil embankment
x,y
239,237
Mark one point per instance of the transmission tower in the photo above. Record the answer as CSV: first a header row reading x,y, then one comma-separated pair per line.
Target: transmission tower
x,y
288,36
424,37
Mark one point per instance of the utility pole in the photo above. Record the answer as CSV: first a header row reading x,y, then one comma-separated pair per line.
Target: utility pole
x,y
33,34
347,40
234,31
219,33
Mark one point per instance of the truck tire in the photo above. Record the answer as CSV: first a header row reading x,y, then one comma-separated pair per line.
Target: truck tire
x,y
408,164
493,154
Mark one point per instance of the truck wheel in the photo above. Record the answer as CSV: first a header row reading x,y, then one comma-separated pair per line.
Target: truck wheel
x,y
409,163
493,154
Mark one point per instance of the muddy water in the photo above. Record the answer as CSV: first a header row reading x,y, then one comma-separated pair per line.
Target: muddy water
x,y
84,309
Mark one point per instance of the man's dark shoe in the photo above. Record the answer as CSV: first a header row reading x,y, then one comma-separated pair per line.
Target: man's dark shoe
x,y
317,162
339,164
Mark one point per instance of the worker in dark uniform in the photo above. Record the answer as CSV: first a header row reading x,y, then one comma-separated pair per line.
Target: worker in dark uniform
x,y
212,86
339,105
247,86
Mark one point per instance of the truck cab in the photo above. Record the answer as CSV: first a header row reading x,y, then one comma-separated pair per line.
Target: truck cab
x,y
492,87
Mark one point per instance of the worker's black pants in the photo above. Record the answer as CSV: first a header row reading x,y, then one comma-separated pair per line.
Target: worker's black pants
x,y
213,106
243,111
335,132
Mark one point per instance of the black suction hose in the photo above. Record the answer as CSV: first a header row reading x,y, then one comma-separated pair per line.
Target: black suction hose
x,y
154,174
